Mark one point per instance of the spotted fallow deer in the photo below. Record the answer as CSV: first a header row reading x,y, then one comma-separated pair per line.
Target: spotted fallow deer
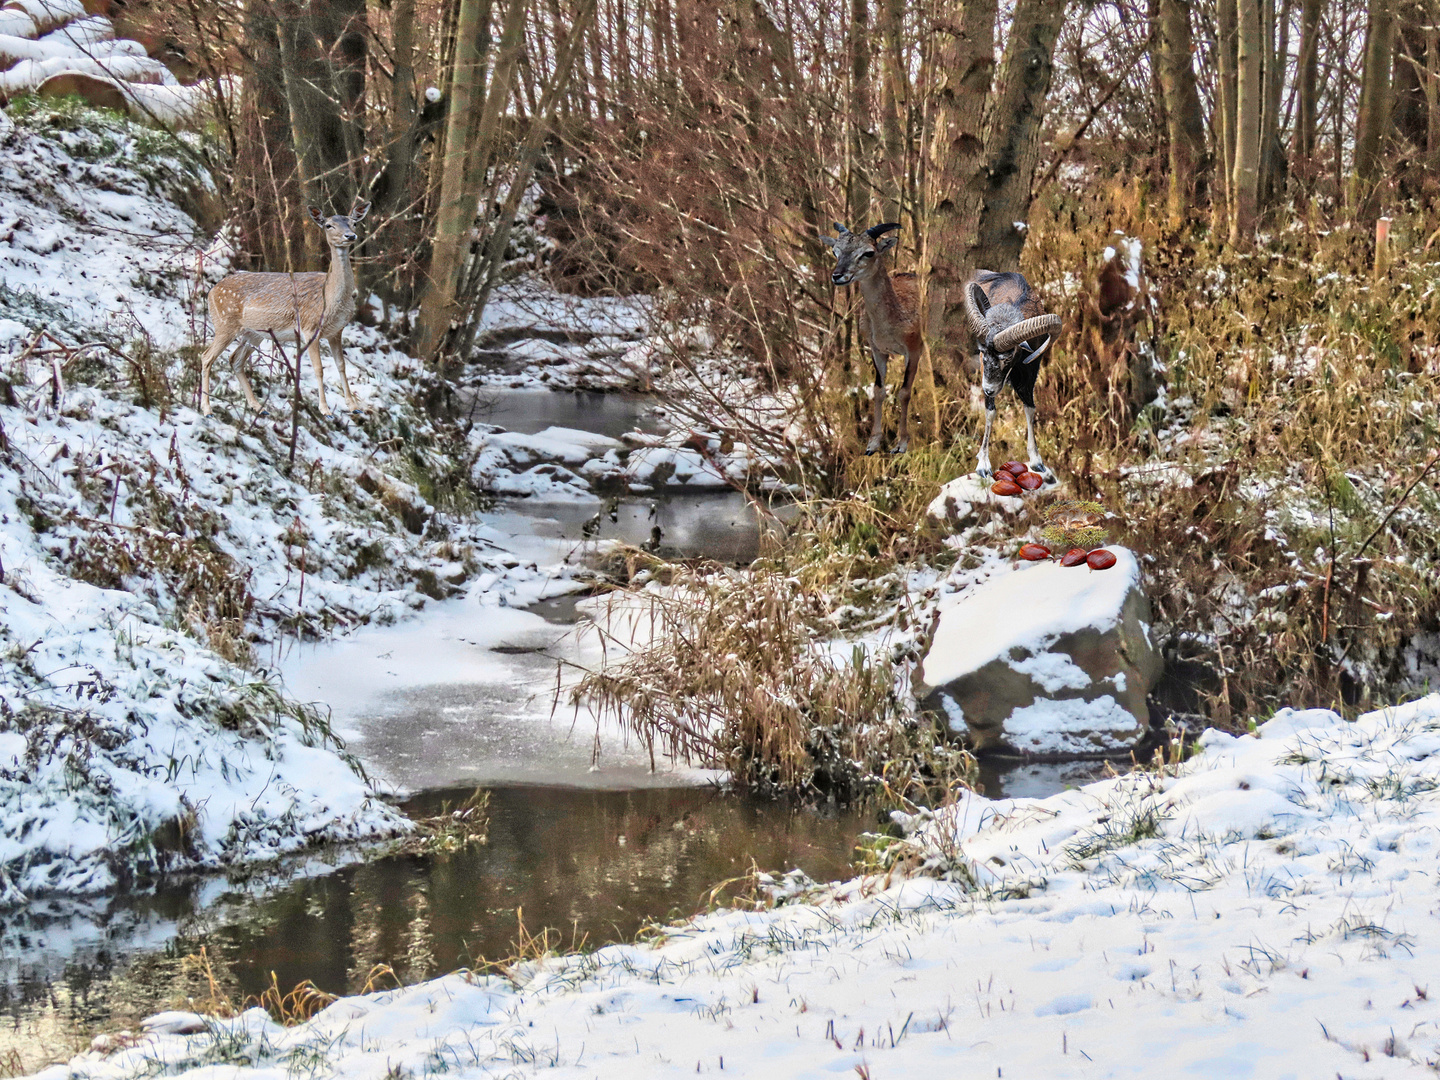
x,y
1013,334
308,307
892,309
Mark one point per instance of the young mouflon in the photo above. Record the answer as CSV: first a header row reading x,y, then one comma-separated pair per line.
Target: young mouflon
x,y
892,310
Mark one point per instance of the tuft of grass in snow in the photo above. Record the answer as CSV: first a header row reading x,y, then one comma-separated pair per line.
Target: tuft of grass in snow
x,y
734,670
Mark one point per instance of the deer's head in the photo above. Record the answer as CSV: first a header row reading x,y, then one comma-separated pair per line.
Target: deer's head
x,y
339,229
1003,332
857,253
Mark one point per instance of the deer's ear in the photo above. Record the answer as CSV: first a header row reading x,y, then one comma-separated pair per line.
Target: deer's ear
x,y
886,244
359,211
828,241
982,302
316,216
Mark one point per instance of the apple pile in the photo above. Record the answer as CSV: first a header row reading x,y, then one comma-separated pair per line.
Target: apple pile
x,y
1098,559
1015,478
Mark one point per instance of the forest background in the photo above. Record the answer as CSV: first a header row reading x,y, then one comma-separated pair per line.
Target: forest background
x,y
1254,394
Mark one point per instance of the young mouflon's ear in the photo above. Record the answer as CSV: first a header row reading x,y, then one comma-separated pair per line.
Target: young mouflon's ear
x,y
359,211
316,216
982,302
828,241
886,244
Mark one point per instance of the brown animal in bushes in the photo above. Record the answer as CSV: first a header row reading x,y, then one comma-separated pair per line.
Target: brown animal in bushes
x,y
892,309
1013,333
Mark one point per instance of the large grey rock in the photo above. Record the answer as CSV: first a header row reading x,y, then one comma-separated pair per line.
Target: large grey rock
x,y
1045,660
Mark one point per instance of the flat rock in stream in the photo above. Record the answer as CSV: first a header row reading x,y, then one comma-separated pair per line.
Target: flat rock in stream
x,y
1045,660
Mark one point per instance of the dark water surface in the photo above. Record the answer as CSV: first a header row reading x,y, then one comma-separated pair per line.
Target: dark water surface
x,y
532,411
596,864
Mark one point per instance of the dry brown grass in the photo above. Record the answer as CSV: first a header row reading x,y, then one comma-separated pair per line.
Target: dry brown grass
x,y
735,671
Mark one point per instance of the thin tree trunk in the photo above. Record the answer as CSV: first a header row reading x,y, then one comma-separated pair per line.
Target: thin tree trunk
x,y
1277,46
1308,99
1249,106
1411,112
1432,96
529,154
894,103
456,213
391,193
1373,117
861,139
1226,35
1189,162
1012,137
963,61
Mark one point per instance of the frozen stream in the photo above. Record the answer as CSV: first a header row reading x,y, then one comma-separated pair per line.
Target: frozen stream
x,y
582,834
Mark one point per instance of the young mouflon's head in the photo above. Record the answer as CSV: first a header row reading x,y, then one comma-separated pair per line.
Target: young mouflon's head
x,y
855,253
1002,328
340,228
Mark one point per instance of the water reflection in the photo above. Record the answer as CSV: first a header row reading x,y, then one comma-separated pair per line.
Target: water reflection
x,y
532,411
597,864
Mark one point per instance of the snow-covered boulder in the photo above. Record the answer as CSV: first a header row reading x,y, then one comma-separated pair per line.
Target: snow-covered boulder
x,y
958,500
1045,660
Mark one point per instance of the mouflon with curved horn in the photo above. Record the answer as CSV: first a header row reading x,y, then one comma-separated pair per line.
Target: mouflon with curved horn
x,y
1013,334
892,312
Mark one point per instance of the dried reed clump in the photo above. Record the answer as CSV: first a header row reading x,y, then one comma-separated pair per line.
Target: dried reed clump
x,y
732,671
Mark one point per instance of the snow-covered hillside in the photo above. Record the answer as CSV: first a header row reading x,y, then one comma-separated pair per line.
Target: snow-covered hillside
x,y
154,560
1267,912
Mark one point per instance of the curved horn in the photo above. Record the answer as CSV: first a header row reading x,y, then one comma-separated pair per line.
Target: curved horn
x,y
1008,338
840,228
877,231
977,317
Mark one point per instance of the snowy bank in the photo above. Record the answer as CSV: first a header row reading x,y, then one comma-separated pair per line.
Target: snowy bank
x,y
1269,912
152,560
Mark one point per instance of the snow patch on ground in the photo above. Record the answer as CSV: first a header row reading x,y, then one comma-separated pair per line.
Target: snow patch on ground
x,y
1269,912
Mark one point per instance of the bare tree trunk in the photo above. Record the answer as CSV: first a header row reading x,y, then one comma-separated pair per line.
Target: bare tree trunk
x,y
456,213
859,175
266,156
322,51
1012,138
1249,105
391,192
1374,115
894,134
963,60
1189,161
1307,93
1277,46
1411,108
1226,35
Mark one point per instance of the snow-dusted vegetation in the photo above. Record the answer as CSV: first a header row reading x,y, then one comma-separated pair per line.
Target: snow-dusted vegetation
x,y
152,559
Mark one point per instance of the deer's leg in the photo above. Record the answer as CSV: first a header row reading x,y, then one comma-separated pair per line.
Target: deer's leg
x,y
1023,379
319,376
877,427
223,337
912,365
241,362
990,383
338,350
